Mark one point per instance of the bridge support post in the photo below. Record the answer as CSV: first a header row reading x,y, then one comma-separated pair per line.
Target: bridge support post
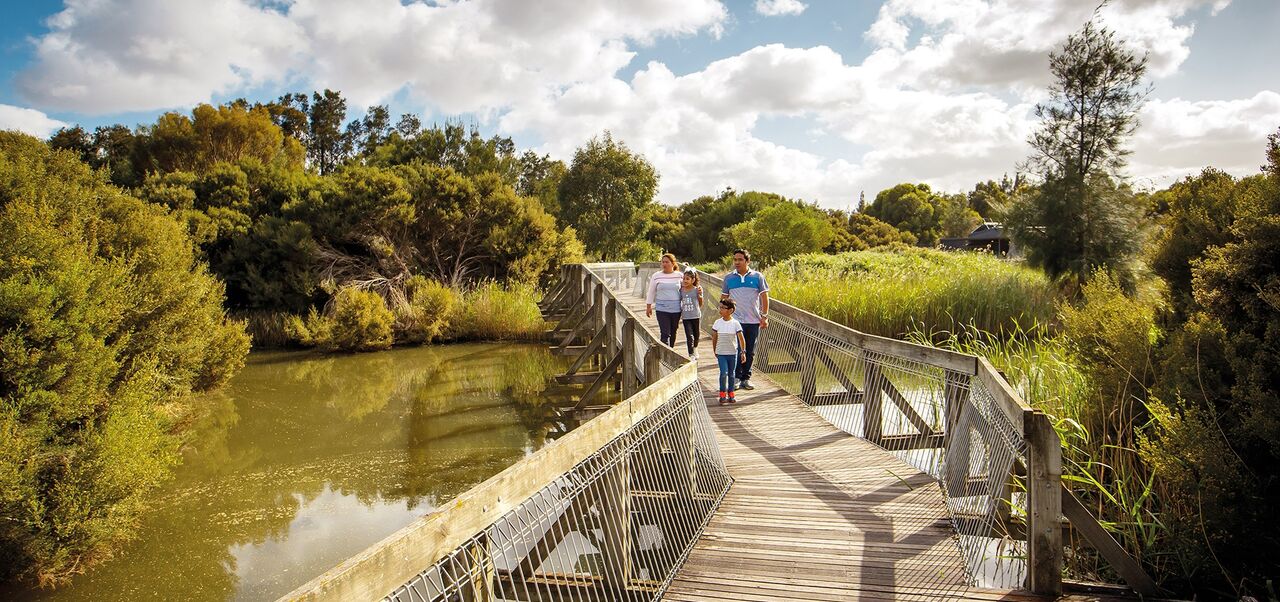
x,y
629,376
597,317
1044,504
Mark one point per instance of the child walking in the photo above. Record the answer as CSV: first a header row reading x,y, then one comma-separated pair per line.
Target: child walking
x,y
730,347
691,309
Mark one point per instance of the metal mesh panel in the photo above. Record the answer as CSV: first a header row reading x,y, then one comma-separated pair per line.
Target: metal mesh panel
x,y
617,525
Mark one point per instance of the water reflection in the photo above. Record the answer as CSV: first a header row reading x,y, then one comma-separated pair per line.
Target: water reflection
x,y
304,460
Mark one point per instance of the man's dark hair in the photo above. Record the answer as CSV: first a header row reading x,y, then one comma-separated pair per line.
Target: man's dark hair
x,y
729,304
745,254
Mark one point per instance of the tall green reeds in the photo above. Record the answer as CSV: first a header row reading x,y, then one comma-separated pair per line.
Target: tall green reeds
x,y
1100,462
493,312
892,293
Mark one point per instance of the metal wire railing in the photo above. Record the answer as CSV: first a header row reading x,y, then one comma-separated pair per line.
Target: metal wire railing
x,y
616,526
608,511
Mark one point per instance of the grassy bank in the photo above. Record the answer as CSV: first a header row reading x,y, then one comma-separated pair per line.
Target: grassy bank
x,y
892,293
484,312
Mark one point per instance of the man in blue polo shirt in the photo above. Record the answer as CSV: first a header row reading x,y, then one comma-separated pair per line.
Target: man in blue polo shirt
x,y
750,292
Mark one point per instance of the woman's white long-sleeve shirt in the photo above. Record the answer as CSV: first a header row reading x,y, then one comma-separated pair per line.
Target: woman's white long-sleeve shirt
x,y
664,291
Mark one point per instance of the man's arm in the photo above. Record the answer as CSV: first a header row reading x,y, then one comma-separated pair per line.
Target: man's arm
x,y
764,309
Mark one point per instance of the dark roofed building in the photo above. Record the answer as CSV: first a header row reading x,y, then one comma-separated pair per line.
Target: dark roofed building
x,y
989,237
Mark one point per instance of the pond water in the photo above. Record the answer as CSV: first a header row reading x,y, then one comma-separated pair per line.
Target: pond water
x,y
304,460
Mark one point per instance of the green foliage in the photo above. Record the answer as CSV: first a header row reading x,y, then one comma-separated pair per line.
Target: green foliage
x,y
1114,336
990,199
607,194
1198,214
1093,105
1072,228
491,312
107,322
893,292
928,216
1081,217
782,230
911,208
695,230
358,320
428,311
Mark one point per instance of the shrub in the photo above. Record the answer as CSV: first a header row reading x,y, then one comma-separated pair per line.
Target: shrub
x,y
107,322
358,320
426,315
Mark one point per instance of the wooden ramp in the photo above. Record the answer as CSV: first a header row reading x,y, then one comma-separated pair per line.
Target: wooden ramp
x,y
815,513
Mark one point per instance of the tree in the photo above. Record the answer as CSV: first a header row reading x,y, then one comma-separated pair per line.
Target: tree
x,y
606,195
1050,221
1078,220
911,208
990,199
327,144
370,131
706,218
540,178
955,218
1199,215
108,323
782,230
875,233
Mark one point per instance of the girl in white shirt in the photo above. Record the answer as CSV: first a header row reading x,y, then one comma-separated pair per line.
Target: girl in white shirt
x,y
726,339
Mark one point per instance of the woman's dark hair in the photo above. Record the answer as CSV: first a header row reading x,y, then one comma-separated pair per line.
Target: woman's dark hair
x,y
745,254
728,304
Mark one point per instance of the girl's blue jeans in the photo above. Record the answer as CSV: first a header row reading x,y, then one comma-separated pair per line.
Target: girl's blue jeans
x,y
728,364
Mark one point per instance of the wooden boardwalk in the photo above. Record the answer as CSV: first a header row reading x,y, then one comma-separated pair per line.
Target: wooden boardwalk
x,y
815,513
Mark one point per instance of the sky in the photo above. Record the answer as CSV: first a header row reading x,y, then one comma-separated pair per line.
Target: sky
x,y
817,100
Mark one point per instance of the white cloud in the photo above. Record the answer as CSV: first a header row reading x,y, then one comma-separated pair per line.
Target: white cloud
x,y
106,56
1007,42
28,121
945,97
773,8
1179,138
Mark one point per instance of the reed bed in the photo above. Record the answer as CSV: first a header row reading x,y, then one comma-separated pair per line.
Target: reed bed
x,y
1100,462
493,312
893,293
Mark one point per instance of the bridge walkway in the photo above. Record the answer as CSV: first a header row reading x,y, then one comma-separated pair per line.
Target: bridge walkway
x,y
815,513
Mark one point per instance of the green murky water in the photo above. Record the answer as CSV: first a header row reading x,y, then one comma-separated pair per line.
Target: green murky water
x,y
306,460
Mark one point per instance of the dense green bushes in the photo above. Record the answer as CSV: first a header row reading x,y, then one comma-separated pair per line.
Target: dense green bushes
x,y
893,292
107,322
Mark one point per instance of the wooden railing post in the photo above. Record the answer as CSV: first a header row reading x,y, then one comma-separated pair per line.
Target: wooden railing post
x,y
1044,504
611,329
872,401
956,458
652,365
615,522
629,377
808,374
597,305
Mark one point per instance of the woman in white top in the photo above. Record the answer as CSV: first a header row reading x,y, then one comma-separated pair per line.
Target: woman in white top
x,y
664,296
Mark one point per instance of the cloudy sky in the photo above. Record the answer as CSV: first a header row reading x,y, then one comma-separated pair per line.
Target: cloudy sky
x,y
813,99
